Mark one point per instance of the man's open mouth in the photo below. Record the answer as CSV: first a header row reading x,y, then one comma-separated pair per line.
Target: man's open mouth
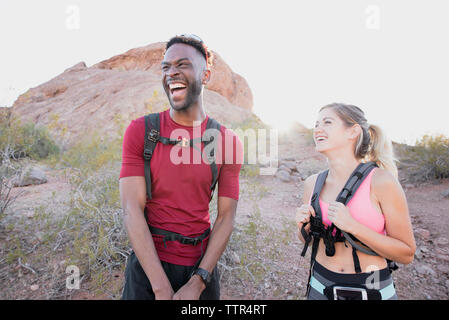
x,y
176,88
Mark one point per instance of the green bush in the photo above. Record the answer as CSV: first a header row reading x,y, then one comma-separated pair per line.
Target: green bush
x,y
92,153
434,155
428,159
26,140
96,240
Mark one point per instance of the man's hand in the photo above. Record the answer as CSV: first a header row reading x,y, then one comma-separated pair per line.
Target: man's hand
x,y
166,294
191,290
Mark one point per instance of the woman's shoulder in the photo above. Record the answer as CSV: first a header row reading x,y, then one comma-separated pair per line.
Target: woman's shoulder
x,y
383,176
384,181
310,180
309,184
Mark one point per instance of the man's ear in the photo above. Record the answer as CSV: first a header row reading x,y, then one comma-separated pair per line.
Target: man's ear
x,y
205,77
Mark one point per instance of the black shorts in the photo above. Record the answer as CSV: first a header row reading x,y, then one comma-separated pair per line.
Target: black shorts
x,y
323,277
138,287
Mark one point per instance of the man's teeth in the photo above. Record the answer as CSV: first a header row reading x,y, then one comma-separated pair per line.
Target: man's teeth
x,y
173,86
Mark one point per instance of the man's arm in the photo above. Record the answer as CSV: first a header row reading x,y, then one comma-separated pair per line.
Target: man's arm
x,y
218,240
133,198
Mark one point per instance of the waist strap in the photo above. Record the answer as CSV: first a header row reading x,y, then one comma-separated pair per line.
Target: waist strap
x,y
385,293
173,236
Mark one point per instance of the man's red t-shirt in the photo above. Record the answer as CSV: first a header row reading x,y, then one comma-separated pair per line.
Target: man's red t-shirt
x,y
181,182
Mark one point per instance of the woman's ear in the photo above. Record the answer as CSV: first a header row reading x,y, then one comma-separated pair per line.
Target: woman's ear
x,y
354,131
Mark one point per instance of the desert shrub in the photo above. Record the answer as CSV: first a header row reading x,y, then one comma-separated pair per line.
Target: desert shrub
x,y
95,237
9,171
26,140
88,228
428,159
92,153
98,241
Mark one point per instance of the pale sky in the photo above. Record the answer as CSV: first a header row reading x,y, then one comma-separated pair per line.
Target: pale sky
x,y
389,57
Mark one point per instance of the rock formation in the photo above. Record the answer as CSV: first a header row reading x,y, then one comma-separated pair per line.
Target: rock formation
x,y
123,88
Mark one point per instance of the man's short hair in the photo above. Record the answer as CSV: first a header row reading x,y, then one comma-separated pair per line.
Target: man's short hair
x,y
191,40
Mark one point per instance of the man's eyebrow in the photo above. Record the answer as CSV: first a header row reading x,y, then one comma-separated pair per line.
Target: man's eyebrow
x,y
177,61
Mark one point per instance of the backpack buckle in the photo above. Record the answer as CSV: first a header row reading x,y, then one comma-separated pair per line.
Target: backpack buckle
x,y
184,142
147,153
153,135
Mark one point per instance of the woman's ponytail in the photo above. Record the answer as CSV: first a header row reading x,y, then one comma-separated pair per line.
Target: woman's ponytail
x,y
372,144
381,150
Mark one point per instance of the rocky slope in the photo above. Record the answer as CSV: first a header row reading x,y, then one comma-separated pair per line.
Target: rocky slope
x,y
123,88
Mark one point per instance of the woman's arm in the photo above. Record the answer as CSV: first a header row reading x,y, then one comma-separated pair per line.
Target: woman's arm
x,y
309,183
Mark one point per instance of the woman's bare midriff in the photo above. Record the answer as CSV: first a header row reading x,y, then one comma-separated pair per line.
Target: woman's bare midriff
x,y
342,261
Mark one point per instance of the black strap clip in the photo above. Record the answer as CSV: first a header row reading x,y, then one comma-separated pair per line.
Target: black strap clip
x,y
154,135
147,154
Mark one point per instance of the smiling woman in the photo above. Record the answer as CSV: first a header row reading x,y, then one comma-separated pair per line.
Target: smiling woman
x,y
370,211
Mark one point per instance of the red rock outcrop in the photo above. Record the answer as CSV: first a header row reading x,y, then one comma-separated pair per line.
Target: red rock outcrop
x,y
223,80
120,89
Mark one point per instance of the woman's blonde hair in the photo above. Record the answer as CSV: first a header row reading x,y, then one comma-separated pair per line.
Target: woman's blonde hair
x,y
372,144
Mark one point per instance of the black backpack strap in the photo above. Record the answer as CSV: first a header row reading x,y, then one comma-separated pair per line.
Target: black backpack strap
x,y
174,236
349,190
315,223
354,181
315,200
210,140
346,194
152,137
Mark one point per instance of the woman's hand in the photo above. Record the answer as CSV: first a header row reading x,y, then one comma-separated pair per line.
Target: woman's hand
x,y
340,216
303,214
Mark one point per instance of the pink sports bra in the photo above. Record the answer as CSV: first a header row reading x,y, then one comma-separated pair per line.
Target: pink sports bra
x,y
361,208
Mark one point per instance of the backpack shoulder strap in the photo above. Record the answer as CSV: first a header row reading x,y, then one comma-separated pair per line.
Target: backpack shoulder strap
x,y
211,137
152,136
349,190
315,200
315,203
354,181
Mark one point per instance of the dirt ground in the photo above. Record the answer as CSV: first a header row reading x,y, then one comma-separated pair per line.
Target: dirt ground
x,y
427,277
285,271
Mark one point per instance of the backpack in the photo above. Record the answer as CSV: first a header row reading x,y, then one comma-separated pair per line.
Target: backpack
x,y
153,136
333,234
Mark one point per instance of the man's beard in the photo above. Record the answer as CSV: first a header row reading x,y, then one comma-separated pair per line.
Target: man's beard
x,y
192,95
